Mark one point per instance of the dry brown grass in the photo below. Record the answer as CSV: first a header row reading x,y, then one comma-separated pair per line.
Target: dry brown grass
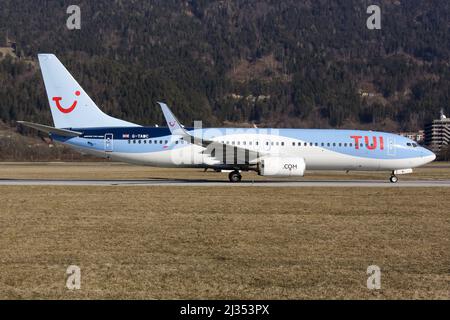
x,y
111,170
221,242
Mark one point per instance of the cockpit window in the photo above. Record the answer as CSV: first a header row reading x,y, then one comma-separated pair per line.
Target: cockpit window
x,y
414,145
408,144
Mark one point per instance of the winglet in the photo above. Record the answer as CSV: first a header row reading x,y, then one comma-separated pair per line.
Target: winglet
x,y
172,122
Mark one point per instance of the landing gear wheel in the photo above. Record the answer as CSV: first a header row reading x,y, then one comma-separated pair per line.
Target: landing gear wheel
x,y
235,176
393,179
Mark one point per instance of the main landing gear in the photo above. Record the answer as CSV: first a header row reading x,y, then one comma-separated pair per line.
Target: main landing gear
x,y
235,176
393,178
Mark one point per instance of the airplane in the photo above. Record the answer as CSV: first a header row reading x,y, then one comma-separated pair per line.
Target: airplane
x,y
271,152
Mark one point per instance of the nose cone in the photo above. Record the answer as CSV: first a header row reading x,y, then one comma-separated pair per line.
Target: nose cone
x,y
428,155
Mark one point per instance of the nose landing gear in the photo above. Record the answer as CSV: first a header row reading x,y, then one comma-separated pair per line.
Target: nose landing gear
x,y
394,174
235,176
393,178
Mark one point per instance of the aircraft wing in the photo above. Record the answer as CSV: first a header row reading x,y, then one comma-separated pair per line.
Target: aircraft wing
x,y
48,129
227,154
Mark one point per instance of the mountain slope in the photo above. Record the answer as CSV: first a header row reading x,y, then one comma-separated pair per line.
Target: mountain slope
x,y
286,63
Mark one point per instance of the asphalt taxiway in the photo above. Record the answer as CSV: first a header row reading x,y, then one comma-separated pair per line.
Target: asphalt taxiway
x,y
222,183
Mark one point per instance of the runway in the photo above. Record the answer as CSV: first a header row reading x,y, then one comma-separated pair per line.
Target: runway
x,y
222,183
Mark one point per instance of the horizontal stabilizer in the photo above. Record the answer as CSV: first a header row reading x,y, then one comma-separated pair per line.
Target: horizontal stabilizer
x,y
48,129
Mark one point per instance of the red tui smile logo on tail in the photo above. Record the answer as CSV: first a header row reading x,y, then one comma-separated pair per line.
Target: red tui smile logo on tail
x,y
66,110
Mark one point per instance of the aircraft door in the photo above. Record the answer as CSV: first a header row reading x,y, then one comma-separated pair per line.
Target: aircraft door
x,y
109,142
391,147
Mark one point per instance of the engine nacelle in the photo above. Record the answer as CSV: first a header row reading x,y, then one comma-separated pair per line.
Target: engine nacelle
x,y
282,167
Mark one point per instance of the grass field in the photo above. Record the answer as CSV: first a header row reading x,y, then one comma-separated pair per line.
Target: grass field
x,y
221,242
111,170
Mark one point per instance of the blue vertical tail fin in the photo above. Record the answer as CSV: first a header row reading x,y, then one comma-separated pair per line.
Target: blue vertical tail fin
x,y
70,105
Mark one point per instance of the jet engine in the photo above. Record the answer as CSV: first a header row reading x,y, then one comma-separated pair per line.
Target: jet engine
x,y
282,167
